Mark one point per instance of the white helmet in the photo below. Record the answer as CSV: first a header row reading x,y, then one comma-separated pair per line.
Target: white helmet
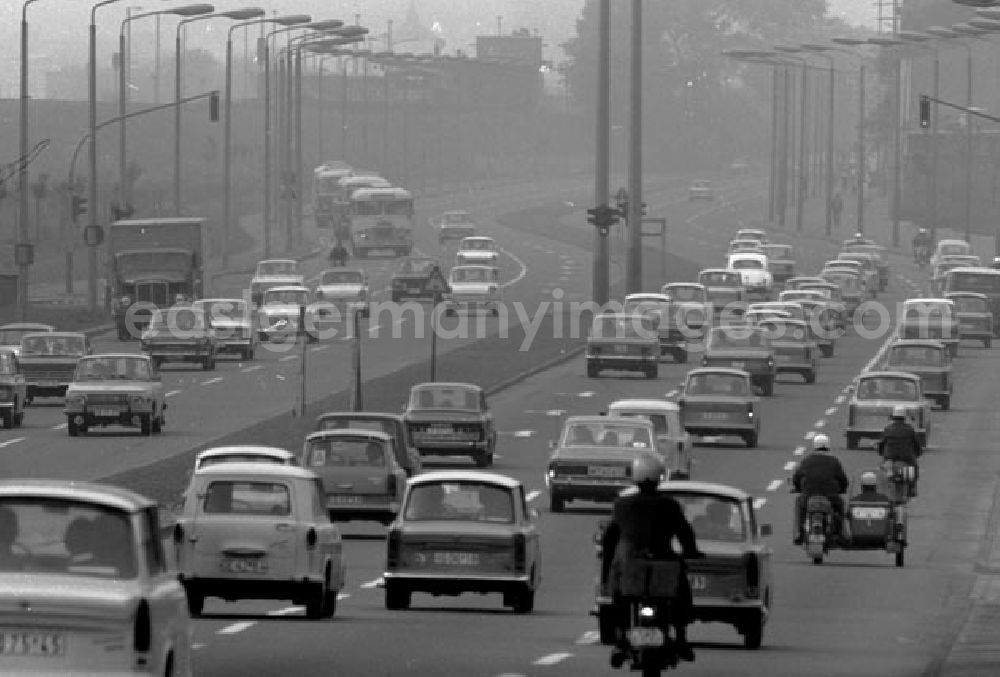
x,y
821,443
869,480
647,468
899,411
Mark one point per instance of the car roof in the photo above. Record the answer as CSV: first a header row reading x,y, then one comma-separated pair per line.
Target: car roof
x,y
718,270
923,343
293,261
477,237
647,296
343,270
625,420
961,242
790,320
978,270
217,300
245,449
687,486
685,284
373,193
928,301
747,255
464,476
619,316
141,356
57,334
455,212
350,432
889,374
967,294
473,266
90,492
250,468
639,403
287,287
361,415
446,384
29,325
718,370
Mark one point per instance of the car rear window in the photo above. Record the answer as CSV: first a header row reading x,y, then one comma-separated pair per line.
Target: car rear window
x,y
607,435
713,517
916,355
345,453
460,501
968,304
717,384
247,498
887,389
239,458
978,282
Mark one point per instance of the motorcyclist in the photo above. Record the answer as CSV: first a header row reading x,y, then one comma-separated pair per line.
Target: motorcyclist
x,y
859,238
643,525
996,262
869,490
338,254
819,474
899,442
922,243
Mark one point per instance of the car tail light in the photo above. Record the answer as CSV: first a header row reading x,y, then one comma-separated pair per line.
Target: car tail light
x,y
394,540
142,633
390,485
520,552
753,575
750,409
311,538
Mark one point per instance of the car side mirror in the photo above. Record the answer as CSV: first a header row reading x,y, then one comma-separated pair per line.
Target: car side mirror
x,y
765,530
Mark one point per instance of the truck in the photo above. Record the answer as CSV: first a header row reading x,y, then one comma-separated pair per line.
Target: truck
x,y
153,264
328,208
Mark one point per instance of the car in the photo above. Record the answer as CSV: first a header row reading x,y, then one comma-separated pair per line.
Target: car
x,y
752,234
852,288
980,280
411,279
871,263
451,419
244,453
672,335
359,472
857,241
88,589
743,347
930,360
393,425
834,300
752,267
13,390
865,277
780,262
48,361
755,316
690,304
733,584
233,322
123,389
455,225
258,531
751,246
717,401
479,249
950,248
793,308
824,317
181,334
464,531
799,280
926,318
882,260
874,395
280,312
701,189
975,321
274,273
673,444
725,291
624,343
939,273
592,460
11,334
474,288
346,289
795,347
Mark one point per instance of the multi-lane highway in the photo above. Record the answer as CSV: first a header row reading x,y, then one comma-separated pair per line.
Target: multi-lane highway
x,y
856,615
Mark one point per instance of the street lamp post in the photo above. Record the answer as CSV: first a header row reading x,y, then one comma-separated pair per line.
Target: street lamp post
x,y
828,168
862,168
800,176
23,263
972,32
932,150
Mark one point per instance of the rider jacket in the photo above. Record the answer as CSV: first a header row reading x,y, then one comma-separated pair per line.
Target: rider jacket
x,y
820,475
922,241
899,443
646,524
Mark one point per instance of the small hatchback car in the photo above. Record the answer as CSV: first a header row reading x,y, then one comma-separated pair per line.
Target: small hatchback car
x,y
259,531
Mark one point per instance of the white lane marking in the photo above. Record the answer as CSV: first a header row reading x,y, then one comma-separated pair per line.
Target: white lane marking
x,y
211,381
532,495
809,435
521,274
774,485
317,349
373,331
671,393
840,399
286,611
59,426
171,393
236,627
552,658
253,368
587,393
758,503
13,440
798,451
791,465
368,585
286,358
524,433
846,389
279,377
589,637
831,411
343,595
820,423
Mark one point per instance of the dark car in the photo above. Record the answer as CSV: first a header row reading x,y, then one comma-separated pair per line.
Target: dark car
x,y
743,347
407,456
410,281
451,419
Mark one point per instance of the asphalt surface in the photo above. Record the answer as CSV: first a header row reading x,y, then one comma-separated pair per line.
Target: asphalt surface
x,y
856,615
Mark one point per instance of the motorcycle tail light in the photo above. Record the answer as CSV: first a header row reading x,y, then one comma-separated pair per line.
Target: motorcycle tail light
x,y
647,612
142,631
520,552
394,540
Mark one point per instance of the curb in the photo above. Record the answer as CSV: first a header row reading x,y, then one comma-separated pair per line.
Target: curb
x,y
538,368
988,551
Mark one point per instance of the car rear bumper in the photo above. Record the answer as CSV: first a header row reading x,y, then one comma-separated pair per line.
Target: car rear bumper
x,y
624,362
246,588
449,448
570,489
453,584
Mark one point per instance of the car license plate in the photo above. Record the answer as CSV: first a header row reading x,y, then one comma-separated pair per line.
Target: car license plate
x,y
715,415
698,581
621,349
13,643
456,559
343,499
639,638
738,364
107,411
605,471
244,565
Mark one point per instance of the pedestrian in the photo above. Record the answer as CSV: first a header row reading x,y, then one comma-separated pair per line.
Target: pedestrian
x,y
836,208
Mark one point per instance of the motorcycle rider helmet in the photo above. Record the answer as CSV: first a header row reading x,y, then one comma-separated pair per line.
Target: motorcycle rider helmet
x,y
647,469
821,443
869,481
922,231
899,412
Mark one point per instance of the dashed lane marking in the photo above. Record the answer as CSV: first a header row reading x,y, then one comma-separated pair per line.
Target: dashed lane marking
x,y
286,611
13,440
524,433
798,451
343,595
368,585
547,412
236,627
831,411
791,465
587,393
171,393
211,381
59,426
589,637
287,358
255,367
774,485
197,645
671,393
820,423
532,495
552,658
840,399
317,349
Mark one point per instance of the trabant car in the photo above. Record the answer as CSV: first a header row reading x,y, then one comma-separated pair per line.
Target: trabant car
x,y
259,531
795,347
930,360
280,312
980,280
882,260
743,347
832,293
673,336
472,289
930,319
181,334
975,321
245,453
715,401
479,249
966,260
798,281
733,584
359,472
752,234
462,531
274,273
346,289
852,287
13,390
410,281
725,290
870,262
451,419
757,315
393,425
623,343
592,461
233,322
673,444
701,189
85,586
780,261
48,361
122,389
745,246
939,272
690,303
11,334
455,225
753,268
950,248
875,394
793,308
824,317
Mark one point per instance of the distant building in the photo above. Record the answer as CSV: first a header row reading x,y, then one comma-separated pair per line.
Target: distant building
x,y
417,38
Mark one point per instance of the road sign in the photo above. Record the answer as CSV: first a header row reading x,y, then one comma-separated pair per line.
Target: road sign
x,y
93,235
436,284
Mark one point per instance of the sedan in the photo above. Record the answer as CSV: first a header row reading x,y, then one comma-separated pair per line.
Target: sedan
x,y
720,402
451,419
795,347
874,396
928,359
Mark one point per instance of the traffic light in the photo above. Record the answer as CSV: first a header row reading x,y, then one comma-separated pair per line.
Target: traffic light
x,y
213,107
119,212
603,217
925,111
78,206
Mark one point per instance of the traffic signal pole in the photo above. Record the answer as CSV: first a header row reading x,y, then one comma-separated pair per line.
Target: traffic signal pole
x,y
634,268
601,275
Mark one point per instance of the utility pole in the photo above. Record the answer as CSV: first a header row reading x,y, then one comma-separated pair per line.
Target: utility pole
x,y
634,268
603,141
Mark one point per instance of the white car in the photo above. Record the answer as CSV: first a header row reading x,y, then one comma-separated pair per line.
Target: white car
x,y
232,320
274,273
752,234
752,267
673,443
477,250
474,288
950,248
280,311
341,291
745,245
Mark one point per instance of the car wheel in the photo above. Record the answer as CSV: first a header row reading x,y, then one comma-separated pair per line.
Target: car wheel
x,y
606,627
681,356
751,439
8,418
652,372
853,441
945,402
248,353
593,371
196,604
556,503
900,558
157,425
810,377
922,439
524,601
988,342
396,597
18,418
146,424
753,632
767,386
395,298
316,602
817,559
483,459
157,363
953,348
123,334
209,364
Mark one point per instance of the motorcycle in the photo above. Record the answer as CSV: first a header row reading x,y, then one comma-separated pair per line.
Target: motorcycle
x,y
922,256
900,481
648,585
819,527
